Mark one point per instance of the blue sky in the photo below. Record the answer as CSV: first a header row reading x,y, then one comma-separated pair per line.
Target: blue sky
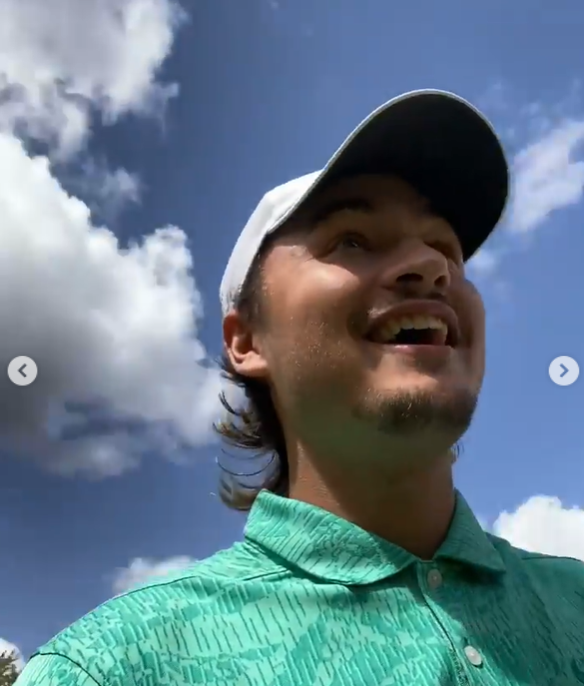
x,y
130,160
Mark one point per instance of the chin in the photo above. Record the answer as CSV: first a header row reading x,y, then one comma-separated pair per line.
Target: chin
x,y
419,403
416,382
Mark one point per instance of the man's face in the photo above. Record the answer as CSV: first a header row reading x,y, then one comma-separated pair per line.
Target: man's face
x,y
369,323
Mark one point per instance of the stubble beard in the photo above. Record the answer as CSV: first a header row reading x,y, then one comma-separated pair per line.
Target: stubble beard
x,y
421,413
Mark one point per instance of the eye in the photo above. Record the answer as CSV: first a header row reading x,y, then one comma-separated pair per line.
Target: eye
x,y
352,241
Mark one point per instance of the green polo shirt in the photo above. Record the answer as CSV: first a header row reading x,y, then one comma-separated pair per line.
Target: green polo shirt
x,y
308,599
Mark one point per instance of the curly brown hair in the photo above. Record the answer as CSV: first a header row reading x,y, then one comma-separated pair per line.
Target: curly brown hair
x,y
254,425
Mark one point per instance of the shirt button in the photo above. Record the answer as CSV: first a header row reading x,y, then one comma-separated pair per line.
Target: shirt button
x,y
434,578
473,656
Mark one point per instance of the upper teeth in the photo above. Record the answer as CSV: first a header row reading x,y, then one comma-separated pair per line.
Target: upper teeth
x,y
392,328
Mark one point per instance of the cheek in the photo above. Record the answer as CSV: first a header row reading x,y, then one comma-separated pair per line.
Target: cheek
x,y
313,300
478,328
468,302
310,343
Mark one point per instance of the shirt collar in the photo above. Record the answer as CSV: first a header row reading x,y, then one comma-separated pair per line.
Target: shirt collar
x,y
333,549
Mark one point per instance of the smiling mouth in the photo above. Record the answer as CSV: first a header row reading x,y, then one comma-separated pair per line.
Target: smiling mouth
x,y
417,330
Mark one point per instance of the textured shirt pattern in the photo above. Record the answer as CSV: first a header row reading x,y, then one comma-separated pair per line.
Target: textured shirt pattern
x,y
308,599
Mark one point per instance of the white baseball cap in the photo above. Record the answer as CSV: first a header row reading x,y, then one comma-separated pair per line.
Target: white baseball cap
x,y
435,140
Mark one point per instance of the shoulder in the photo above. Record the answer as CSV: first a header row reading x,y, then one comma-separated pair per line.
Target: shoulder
x,y
555,576
135,635
54,670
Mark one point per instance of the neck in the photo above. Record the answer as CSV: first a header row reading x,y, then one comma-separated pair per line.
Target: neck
x,y
412,509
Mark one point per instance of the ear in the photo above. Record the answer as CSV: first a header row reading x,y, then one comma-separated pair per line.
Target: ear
x,y
241,346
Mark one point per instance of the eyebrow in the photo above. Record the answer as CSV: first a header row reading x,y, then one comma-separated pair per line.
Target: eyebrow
x,y
333,207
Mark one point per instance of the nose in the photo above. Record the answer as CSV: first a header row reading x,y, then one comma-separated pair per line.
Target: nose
x,y
419,268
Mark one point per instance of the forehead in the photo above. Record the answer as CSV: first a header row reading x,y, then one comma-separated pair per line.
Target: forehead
x,y
368,194
378,190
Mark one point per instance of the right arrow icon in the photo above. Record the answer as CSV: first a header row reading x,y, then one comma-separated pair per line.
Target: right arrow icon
x,y
564,370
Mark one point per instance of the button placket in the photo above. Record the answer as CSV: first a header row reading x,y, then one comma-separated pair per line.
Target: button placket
x,y
434,579
473,656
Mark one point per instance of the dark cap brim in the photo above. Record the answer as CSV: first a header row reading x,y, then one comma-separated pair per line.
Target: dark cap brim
x,y
441,145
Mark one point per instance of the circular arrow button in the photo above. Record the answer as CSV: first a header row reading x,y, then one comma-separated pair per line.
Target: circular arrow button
x,y
22,371
564,371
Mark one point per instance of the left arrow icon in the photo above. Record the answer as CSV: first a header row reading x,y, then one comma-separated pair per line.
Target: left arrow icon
x,y
22,371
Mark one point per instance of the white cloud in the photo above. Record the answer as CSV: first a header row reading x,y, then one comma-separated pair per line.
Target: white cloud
x,y
119,186
114,331
105,190
547,163
544,525
548,176
54,71
9,648
484,262
141,570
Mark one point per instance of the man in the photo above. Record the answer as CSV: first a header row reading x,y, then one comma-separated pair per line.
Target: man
x,y
350,324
